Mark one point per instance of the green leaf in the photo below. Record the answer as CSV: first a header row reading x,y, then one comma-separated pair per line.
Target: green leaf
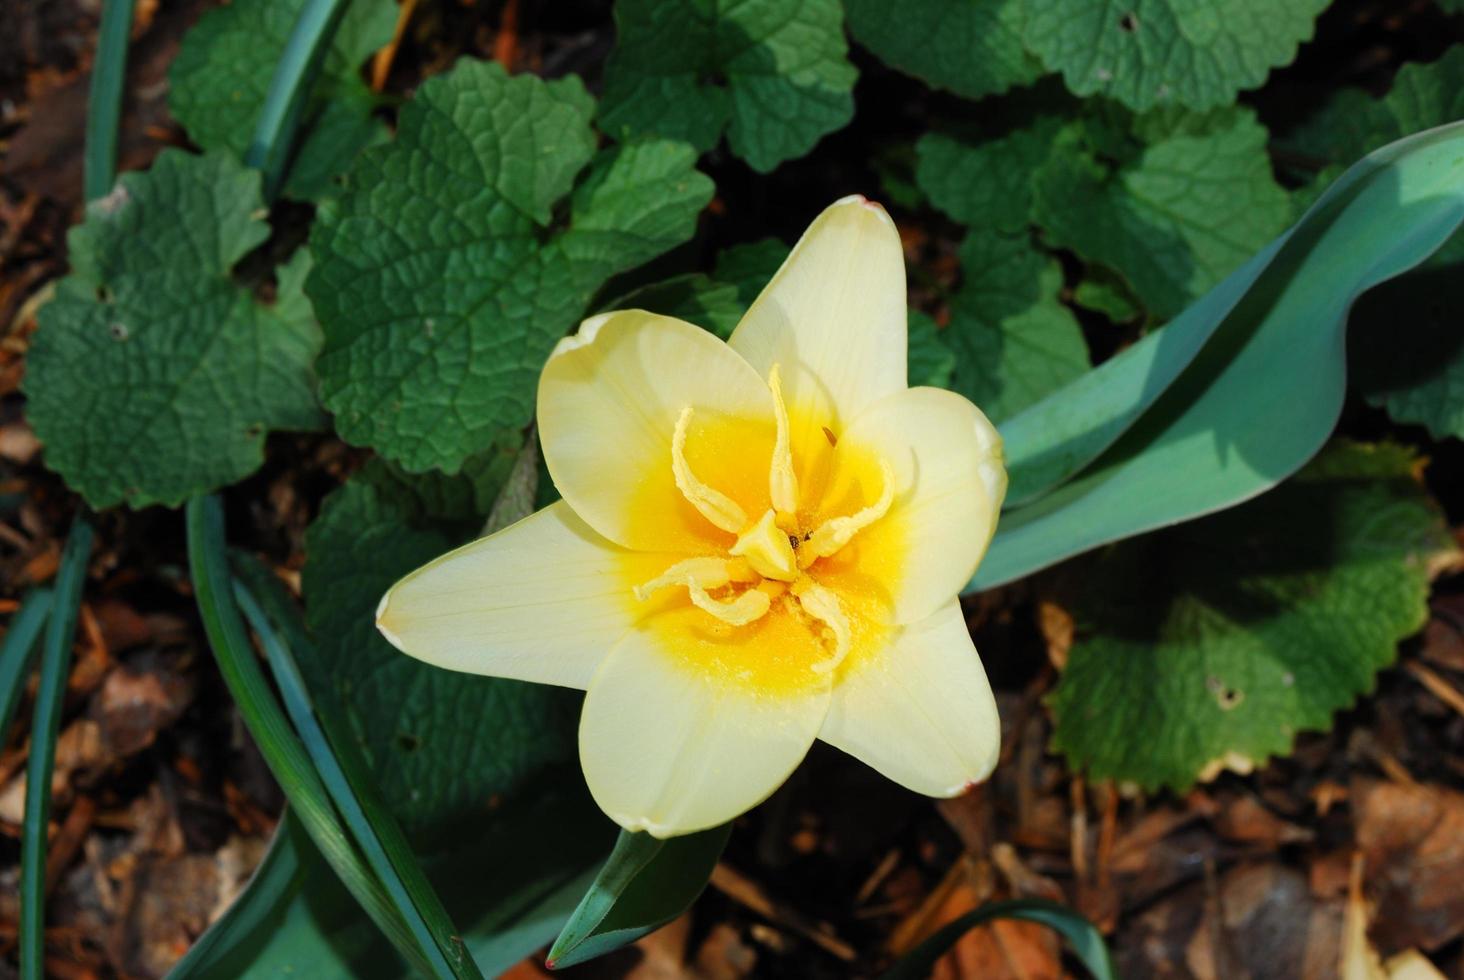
x,y
1174,220
985,184
774,76
750,267
442,744
154,375
277,741
60,624
694,297
1086,940
930,361
971,47
440,281
644,884
1014,342
321,725
1156,52
219,80
18,650
1239,391
1104,292
1407,353
1215,643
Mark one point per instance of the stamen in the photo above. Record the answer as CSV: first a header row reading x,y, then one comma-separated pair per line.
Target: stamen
x,y
715,506
782,481
766,548
749,607
836,532
823,605
709,573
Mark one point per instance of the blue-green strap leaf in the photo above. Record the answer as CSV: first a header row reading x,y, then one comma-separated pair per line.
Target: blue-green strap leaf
x,y
46,723
645,883
1265,391
1085,939
18,650
345,772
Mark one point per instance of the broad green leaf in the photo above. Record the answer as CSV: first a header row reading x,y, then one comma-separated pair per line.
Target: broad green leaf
x,y
442,744
1237,393
930,361
644,884
154,374
1086,940
1014,342
1104,292
694,297
750,267
1213,644
1156,52
773,74
1407,354
218,83
441,280
971,47
1176,218
986,184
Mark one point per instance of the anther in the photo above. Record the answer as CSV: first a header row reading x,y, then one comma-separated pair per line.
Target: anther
x,y
836,532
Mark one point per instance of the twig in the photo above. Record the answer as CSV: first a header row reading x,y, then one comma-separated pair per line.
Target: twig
x,y
381,64
746,892
1437,686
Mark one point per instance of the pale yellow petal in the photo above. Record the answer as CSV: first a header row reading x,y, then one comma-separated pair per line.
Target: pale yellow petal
x,y
920,711
950,479
609,400
543,600
670,744
833,320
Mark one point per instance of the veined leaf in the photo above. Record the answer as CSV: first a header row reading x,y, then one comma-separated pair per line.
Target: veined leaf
x,y
773,76
153,374
1213,644
441,281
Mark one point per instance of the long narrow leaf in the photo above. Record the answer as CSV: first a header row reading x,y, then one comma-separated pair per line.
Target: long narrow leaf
x,y
645,883
1087,943
277,742
1265,392
289,90
263,901
348,780
55,661
18,650
104,111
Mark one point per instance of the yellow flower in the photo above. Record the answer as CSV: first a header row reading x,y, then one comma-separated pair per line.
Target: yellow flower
x,y
760,543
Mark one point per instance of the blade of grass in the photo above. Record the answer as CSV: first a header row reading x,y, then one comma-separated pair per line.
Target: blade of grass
x,y
1084,937
272,885
277,742
104,110
345,773
289,90
55,661
17,651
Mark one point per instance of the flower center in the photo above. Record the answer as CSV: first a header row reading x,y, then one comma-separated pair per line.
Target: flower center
x,y
773,556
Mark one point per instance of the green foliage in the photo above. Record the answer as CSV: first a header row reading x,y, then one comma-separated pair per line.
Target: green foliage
x,y
931,360
644,884
1168,52
1216,642
986,184
971,47
218,83
1179,212
1086,940
441,743
773,75
154,374
1014,343
442,279
1408,354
